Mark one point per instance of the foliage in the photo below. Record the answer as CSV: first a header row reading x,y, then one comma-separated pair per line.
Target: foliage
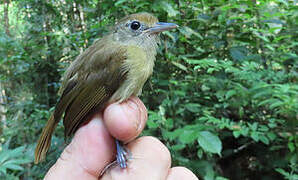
x,y
223,96
11,160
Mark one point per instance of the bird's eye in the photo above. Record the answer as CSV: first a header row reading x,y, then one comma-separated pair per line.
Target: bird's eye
x,y
135,25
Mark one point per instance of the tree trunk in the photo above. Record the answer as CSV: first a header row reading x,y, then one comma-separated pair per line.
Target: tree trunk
x,y
3,109
6,17
83,25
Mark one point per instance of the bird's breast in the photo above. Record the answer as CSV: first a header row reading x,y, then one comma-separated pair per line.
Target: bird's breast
x,y
138,66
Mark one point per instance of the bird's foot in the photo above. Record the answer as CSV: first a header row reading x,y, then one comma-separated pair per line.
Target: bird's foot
x,y
123,155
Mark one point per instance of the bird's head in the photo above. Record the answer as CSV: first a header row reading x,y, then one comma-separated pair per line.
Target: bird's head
x,y
141,29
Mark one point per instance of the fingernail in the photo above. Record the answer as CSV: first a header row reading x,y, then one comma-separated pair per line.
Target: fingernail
x,y
132,103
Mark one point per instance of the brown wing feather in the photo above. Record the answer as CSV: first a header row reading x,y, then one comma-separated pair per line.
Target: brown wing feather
x,y
92,97
98,87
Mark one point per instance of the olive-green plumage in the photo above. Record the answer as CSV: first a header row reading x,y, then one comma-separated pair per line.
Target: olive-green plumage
x,y
111,70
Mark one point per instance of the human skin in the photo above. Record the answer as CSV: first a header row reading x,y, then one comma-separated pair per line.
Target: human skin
x,y
93,148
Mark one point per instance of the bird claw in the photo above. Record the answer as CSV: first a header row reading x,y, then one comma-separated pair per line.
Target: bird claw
x,y
123,155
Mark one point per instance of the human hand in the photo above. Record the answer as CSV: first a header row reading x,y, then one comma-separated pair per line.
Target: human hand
x,y
93,148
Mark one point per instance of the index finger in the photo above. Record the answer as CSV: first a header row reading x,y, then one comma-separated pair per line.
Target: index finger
x,y
125,121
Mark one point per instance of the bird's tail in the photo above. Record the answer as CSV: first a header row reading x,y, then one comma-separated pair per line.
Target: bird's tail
x,y
44,140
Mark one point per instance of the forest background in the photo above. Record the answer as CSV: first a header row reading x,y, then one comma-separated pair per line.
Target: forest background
x,y
223,96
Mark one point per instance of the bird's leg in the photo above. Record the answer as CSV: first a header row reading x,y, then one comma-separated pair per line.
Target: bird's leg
x,y
122,155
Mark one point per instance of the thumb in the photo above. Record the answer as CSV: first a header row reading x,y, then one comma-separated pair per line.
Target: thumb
x,y
88,153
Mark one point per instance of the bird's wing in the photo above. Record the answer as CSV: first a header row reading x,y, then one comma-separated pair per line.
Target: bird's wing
x,y
80,62
95,83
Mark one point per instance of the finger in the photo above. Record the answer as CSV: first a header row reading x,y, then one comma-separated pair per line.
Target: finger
x,y
89,152
126,121
178,173
150,159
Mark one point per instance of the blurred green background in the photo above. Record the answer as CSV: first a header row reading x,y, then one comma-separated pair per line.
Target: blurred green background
x,y
223,96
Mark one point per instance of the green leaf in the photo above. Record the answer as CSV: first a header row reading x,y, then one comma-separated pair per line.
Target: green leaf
x,y
191,61
264,139
151,124
271,136
173,134
178,147
153,120
192,107
236,134
263,128
188,137
187,31
15,167
200,153
254,126
244,131
291,146
169,9
120,2
283,172
237,54
255,136
210,70
209,142
276,104
230,93
264,38
180,66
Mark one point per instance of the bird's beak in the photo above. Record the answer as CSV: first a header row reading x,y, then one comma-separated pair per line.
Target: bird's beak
x,y
161,26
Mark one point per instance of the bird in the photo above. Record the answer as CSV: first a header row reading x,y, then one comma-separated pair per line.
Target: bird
x,y
111,70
